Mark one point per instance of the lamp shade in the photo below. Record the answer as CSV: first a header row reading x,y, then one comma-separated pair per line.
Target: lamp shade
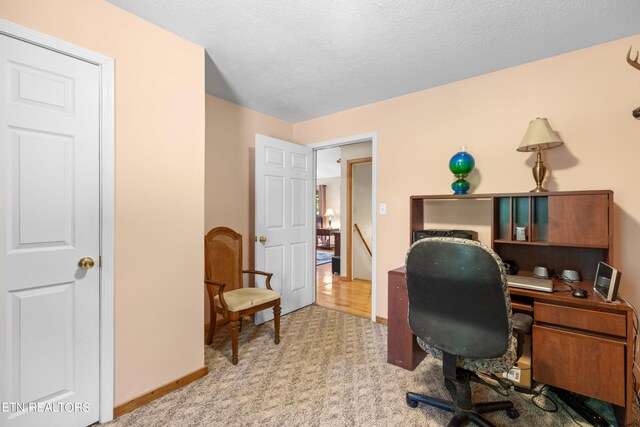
x,y
329,212
539,134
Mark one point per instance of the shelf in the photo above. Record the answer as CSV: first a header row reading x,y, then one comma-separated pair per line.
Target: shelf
x,y
564,245
521,306
520,242
579,245
559,230
495,195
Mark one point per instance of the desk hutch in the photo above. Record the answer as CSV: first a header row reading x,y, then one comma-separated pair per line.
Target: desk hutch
x,y
583,345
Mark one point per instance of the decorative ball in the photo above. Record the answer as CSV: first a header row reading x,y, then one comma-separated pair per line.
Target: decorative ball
x,y
461,163
460,186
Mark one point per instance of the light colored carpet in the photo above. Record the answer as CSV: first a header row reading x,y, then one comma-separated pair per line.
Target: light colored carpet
x,y
330,369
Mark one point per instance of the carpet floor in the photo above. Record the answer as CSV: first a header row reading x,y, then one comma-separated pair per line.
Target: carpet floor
x,y
329,369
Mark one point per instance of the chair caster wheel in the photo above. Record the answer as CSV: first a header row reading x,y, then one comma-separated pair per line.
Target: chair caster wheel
x,y
412,403
513,413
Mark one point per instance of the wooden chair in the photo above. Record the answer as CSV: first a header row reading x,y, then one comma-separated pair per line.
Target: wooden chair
x,y
227,296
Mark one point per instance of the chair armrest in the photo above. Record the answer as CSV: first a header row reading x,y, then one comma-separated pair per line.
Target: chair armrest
x,y
213,289
262,273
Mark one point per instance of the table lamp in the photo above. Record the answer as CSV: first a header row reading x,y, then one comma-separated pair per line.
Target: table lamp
x,y
329,215
539,136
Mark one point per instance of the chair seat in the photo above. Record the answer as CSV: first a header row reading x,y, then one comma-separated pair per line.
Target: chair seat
x,y
488,366
244,298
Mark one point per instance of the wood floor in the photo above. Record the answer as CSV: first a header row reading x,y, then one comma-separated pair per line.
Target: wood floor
x,y
352,297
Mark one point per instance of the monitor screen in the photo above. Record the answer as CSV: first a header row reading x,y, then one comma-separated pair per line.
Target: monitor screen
x,y
606,281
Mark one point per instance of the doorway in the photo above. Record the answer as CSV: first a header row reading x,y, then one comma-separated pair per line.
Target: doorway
x,y
336,287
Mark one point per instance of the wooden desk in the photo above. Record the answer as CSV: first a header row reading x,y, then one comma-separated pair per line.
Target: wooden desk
x,y
581,345
335,232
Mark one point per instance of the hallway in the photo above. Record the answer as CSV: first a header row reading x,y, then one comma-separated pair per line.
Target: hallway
x,y
353,297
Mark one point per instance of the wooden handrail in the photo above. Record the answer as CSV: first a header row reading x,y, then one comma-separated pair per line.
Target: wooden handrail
x,y
362,238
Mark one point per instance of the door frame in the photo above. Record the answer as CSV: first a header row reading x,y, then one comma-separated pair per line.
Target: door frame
x,y
355,139
349,230
107,205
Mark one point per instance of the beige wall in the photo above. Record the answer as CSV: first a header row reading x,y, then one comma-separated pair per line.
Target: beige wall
x,y
333,200
587,95
159,142
229,159
361,215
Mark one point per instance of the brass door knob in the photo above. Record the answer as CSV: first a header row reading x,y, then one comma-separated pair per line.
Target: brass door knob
x,y
86,263
262,239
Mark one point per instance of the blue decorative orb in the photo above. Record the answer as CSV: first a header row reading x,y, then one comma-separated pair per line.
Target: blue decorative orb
x,y
461,163
460,186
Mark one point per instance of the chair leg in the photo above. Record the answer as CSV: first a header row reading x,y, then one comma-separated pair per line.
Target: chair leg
x,y
235,331
484,407
276,323
463,391
479,420
462,407
458,420
414,398
212,327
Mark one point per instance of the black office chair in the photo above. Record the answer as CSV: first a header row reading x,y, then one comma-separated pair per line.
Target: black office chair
x,y
460,310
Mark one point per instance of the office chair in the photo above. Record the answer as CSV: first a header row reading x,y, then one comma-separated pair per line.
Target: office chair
x,y
460,311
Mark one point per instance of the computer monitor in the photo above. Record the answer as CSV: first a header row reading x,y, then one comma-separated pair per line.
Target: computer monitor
x,y
607,281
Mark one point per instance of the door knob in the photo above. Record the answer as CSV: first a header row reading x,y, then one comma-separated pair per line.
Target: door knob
x,y
86,263
262,239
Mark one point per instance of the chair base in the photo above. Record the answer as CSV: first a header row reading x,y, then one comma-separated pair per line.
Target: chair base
x,y
463,415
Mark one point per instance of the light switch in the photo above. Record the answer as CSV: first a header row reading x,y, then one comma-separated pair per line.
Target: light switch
x,y
383,208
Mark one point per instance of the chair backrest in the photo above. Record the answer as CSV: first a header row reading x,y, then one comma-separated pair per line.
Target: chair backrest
x,y
223,257
458,297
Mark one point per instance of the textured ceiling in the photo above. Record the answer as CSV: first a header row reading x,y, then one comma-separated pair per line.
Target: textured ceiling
x,y
301,59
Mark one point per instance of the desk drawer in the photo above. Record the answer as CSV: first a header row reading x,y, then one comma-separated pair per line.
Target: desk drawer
x,y
580,363
587,320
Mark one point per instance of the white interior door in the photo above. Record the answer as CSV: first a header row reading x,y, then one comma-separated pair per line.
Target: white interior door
x,y
284,197
49,209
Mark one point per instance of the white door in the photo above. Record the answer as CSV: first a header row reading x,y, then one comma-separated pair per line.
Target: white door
x,y
283,215
49,209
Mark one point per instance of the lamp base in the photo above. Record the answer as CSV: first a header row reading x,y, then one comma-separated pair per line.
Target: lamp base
x,y
539,190
539,172
460,185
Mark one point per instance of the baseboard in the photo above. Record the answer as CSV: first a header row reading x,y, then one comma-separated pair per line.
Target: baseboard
x,y
382,320
159,392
